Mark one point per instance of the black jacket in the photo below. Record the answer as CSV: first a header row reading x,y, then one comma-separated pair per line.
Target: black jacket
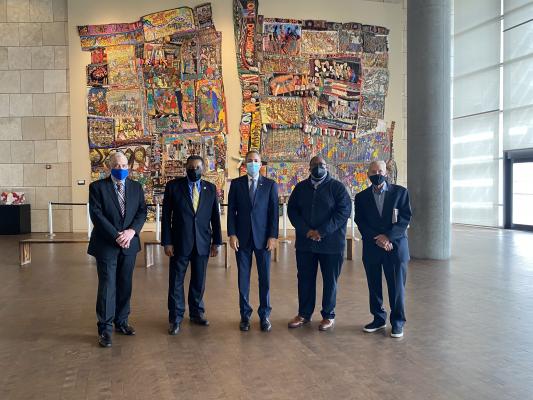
x,y
371,224
182,227
325,209
105,216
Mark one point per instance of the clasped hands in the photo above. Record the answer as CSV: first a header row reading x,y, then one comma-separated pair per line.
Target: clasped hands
x,y
383,242
234,243
314,235
124,238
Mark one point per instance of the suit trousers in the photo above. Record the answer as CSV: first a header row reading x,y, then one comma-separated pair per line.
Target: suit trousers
x,y
395,275
330,267
176,296
115,276
244,266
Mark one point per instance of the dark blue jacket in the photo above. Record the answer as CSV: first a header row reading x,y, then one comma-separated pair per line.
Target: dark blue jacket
x,y
107,220
253,222
370,224
182,227
325,209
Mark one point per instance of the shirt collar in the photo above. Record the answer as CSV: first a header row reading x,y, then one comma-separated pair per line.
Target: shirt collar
x,y
197,183
115,180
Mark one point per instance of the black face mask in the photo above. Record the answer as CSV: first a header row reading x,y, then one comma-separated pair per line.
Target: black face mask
x,y
194,174
376,179
318,172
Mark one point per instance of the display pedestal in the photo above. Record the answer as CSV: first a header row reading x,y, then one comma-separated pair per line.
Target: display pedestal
x,y
15,219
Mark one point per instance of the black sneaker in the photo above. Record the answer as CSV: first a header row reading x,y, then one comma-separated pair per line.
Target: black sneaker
x,y
397,332
244,325
266,326
374,326
104,340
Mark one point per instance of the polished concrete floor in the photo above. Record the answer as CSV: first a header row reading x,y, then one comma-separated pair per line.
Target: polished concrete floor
x,y
469,333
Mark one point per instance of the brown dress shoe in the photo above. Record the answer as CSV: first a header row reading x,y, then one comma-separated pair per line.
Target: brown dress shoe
x,y
297,321
326,324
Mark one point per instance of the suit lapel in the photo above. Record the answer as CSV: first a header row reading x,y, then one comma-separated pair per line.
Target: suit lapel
x,y
259,188
129,197
112,193
246,189
389,194
185,190
374,206
203,190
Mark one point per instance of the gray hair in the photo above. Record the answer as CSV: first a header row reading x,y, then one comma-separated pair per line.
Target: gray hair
x,y
114,156
380,163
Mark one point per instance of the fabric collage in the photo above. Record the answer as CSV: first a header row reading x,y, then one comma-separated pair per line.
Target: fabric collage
x,y
312,87
155,92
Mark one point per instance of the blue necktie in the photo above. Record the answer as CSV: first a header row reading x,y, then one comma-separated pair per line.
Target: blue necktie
x,y
252,191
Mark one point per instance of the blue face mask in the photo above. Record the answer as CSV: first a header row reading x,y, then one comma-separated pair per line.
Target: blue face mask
x,y
119,174
252,168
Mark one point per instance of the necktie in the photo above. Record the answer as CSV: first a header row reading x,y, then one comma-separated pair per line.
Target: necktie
x,y
252,191
121,197
195,197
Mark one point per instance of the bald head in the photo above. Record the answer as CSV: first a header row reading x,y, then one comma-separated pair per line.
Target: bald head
x,y
316,160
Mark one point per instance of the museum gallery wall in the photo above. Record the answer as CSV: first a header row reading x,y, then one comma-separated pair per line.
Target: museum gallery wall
x,y
155,92
312,87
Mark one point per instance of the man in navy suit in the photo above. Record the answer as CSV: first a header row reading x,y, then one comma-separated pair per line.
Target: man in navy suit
x,y
318,208
382,215
118,213
253,220
190,233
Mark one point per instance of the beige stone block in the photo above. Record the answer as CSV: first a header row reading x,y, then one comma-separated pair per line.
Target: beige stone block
x,y
30,34
56,127
31,81
42,57
4,105
20,105
22,152
54,34
46,151
11,175
18,10
63,151
19,57
9,82
4,60
62,220
33,128
43,195
44,104
9,34
10,129
60,10
3,11
34,175
65,196
58,175
55,80
39,220
5,152
62,104
61,57
41,11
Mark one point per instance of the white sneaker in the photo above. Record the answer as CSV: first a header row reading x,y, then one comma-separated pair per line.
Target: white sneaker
x,y
396,333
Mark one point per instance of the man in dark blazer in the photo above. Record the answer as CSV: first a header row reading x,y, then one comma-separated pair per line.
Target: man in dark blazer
x,y
253,219
190,233
382,214
118,213
318,208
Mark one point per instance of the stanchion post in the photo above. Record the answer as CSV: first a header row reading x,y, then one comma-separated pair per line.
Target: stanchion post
x,y
89,223
352,224
50,221
157,222
284,222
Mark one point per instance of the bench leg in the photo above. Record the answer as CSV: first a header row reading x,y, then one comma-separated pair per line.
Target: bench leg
x,y
148,255
349,249
24,253
226,255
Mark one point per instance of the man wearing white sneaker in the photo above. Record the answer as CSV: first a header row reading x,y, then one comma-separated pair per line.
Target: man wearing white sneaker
x,y
382,214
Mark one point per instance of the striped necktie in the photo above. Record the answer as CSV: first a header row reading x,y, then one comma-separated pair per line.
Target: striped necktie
x,y
195,197
121,198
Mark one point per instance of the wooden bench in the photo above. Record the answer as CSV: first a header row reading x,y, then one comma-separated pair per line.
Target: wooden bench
x,y
149,252
25,246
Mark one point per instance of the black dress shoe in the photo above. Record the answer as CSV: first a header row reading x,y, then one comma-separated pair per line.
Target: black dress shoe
x,y
244,325
104,340
200,320
173,329
266,326
125,329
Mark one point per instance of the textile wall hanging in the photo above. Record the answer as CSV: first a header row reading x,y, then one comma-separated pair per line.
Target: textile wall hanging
x,y
312,87
155,92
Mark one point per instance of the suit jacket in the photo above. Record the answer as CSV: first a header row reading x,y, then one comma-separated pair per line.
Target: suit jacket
x,y
105,216
182,227
253,223
326,209
371,224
